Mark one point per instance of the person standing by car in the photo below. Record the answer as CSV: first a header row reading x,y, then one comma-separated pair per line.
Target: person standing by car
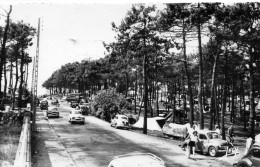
x,y
217,129
231,133
192,144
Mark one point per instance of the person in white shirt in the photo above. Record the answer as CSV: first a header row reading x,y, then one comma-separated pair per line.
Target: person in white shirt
x,y
192,144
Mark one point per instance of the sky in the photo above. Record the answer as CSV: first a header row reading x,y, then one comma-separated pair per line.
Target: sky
x,y
69,32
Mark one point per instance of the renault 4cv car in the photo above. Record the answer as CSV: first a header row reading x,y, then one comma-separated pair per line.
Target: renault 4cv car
x,y
210,142
44,105
53,112
120,121
75,116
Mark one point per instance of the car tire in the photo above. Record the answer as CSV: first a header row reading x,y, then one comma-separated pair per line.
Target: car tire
x,y
242,165
116,126
212,151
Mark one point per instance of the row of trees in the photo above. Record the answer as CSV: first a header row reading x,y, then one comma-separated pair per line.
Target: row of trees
x,y
16,38
155,44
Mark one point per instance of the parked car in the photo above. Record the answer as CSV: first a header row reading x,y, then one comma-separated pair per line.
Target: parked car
x,y
137,159
73,104
53,112
211,142
120,121
75,116
251,158
44,105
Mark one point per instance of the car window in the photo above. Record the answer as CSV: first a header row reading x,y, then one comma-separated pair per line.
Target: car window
x,y
255,153
124,118
76,112
213,135
202,136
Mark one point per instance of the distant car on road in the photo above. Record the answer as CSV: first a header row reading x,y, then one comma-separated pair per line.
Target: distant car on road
x,y
73,104
211,142
120,121
75,116
251,158
53,112
44,105
137,159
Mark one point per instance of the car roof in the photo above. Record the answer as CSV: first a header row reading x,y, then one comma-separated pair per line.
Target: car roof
x,y
51,108
120,115
138,159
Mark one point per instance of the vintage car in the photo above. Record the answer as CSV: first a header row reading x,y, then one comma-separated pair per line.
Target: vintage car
x,y
55,102
44,105
53,112
75,116
137,159
210,142
84,109
251,158
120,121
73,104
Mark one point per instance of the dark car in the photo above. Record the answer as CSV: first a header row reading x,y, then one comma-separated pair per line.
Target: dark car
x,y
44,105
53,112
73,104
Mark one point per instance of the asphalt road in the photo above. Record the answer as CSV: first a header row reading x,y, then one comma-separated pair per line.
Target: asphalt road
x,y
96,143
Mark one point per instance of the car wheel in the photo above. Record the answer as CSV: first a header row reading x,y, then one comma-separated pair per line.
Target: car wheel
x,y
242,165
83,123
212,151
116,126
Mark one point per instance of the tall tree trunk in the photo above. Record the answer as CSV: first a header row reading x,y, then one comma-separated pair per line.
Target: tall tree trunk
x,y
200,74
16,80
213,95
252,94
191,114
232,114
3,48
145,82
5,88
224,101
21,80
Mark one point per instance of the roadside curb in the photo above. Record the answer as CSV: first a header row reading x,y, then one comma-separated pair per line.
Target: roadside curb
x,y
57,153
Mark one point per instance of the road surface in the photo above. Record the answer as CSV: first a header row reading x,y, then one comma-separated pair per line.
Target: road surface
x,y
96,143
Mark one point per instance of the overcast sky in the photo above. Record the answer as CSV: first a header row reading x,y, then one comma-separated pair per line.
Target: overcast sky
x,y
69,32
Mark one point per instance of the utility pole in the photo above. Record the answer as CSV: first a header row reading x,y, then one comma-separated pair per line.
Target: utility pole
x,y
36,75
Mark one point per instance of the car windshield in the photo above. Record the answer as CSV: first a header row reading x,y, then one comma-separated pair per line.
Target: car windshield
x,y
213,135
75,112
124,118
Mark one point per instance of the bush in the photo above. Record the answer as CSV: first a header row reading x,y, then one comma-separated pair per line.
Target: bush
x,y
111,103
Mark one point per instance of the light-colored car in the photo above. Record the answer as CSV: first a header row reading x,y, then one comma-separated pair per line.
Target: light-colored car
x,y
120,121
137,159
75,116
210,142
251,158
53,112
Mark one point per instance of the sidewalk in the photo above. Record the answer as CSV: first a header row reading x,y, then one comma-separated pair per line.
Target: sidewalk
x,y
47,149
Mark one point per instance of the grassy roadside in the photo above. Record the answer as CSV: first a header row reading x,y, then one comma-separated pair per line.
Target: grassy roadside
x,y
9,140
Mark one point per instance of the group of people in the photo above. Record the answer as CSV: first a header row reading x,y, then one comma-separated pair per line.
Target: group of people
x,y
192,138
